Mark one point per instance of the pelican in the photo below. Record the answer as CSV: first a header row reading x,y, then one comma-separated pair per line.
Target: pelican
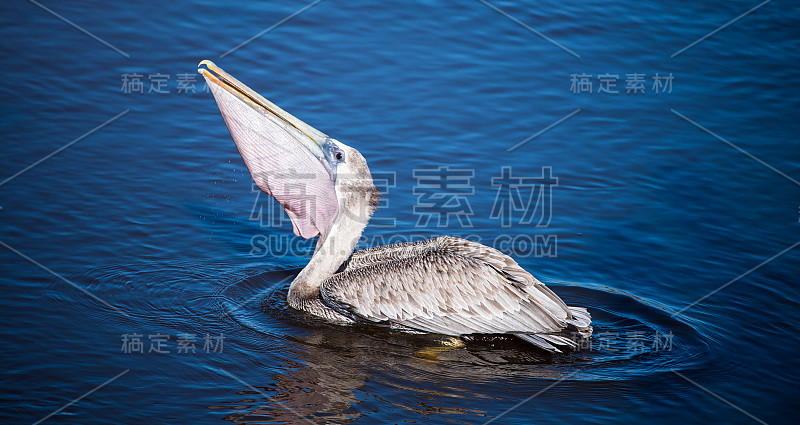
x,y
445,285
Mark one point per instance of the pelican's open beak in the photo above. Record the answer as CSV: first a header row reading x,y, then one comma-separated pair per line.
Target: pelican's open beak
x,y
287,158
219,78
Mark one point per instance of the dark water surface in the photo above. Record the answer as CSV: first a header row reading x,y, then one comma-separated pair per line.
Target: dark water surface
x,y
149,225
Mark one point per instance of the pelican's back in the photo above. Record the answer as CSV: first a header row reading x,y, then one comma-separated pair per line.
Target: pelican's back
x,y
450,286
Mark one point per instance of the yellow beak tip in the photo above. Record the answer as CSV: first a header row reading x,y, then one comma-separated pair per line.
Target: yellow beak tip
x,y
210,65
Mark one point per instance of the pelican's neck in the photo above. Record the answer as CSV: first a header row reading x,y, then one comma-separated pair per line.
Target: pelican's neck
x,y
332,250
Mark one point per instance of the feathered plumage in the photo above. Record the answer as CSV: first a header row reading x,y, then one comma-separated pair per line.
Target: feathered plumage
x,y
449,286
444,285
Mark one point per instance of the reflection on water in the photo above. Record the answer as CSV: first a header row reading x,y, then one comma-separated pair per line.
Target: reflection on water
x,y
334,373
303,391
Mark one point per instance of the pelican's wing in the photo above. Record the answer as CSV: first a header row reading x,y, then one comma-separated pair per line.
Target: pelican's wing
x,y
494,258
449,286
379,254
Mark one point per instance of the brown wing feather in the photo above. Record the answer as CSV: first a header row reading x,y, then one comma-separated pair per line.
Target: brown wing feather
x,y
492,257
445,285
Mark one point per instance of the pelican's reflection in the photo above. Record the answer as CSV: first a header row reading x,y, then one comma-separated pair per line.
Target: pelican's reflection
x,y
341,374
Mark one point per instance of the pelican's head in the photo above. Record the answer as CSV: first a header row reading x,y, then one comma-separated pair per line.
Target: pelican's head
x,y
318,180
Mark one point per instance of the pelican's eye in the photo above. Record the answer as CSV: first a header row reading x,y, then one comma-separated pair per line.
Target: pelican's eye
x,y
339,155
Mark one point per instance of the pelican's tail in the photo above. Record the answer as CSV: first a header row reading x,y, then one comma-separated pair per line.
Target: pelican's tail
x,y
580,328
548,342
581,321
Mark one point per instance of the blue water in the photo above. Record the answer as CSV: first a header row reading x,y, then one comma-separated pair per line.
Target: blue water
x,y
155,215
